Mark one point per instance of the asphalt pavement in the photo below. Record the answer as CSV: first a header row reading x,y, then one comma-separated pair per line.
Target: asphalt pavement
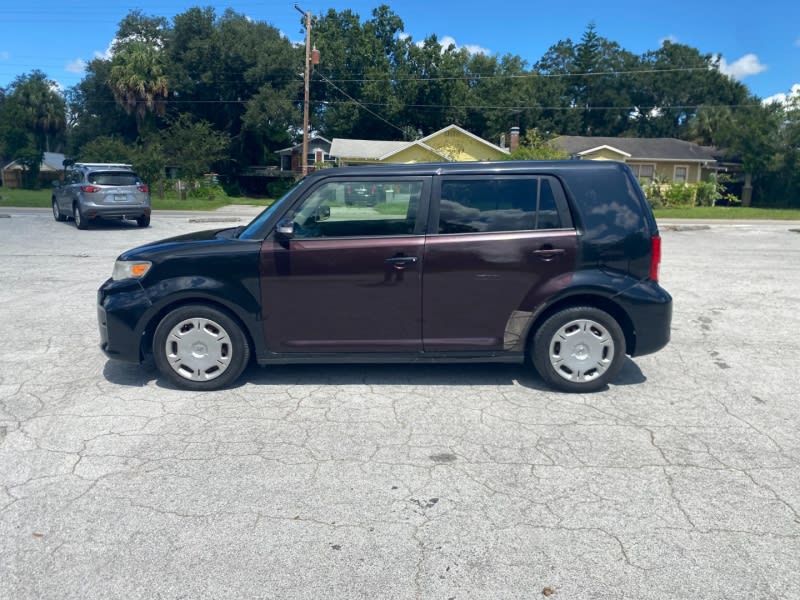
x,y
681,480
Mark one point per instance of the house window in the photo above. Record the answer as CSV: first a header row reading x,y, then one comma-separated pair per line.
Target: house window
x,y
644,173
681,174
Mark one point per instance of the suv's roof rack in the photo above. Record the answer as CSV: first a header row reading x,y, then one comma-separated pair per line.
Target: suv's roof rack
x,y
101,165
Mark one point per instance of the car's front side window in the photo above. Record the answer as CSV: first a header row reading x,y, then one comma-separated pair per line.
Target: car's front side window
x,y
358,208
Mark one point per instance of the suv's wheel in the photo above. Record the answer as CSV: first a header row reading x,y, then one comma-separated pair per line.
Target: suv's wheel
x,y
579,349
200,348
81,222
143,221
57,212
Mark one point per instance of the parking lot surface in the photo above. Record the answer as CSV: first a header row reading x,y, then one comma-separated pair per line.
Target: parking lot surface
x,y
681,480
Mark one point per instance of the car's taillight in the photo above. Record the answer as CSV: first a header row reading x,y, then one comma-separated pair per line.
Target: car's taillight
x,y
90,189
655,256
143,188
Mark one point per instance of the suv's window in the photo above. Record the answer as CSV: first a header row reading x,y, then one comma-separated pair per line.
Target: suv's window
x,y
507,204
75,177
359,208
113,178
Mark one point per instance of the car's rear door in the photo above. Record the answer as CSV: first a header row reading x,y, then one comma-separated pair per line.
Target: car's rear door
x,y
349,279
498,246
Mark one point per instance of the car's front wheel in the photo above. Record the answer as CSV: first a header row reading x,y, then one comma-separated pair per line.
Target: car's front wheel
x,y
57,212
579,349
198,347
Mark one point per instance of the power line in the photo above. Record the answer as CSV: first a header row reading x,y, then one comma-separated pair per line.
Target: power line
x,y
374,114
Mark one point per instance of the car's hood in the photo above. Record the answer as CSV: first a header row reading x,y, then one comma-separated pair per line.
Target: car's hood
x,y
187,239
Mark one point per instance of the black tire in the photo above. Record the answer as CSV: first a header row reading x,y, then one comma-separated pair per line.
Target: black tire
x,y
81,222
578,349
198,347
143,221
57,212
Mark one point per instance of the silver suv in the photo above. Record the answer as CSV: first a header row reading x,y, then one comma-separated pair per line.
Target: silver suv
x,y
101,190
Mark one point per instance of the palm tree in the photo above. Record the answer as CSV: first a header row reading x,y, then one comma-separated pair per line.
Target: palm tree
x,y
39,106
138,80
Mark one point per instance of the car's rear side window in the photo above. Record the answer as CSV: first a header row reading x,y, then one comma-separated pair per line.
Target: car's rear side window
x,y
480,205
113,178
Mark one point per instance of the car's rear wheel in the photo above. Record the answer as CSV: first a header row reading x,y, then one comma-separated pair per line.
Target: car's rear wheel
x,y
579,349
57,212
143,221
81,222
198,347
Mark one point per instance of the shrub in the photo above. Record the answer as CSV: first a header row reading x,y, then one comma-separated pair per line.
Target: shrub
x,y
680,194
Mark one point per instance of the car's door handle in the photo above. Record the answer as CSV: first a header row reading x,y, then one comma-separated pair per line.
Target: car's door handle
x,y
401,261
548,253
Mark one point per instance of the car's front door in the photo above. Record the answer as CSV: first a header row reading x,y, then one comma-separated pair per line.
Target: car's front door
x,y
347,278
498,247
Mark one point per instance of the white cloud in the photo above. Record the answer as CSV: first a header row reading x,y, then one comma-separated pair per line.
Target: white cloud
x,y
75,66
107,53
670,38
5,55
785,99
744,67
447,41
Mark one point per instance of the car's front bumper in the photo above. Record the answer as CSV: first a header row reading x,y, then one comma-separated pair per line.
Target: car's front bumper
x,y
120,308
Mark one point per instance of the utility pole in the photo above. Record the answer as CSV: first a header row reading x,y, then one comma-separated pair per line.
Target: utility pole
x,y
307,84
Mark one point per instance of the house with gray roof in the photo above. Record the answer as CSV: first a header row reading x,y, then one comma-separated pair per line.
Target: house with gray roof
x,y
666,159
52,168
449,144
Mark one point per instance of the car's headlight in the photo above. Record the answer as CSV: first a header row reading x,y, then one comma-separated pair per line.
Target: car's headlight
x,y
130,269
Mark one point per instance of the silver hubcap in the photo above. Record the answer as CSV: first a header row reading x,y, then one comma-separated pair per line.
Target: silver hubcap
x,y
56,214
77,214
581,350
198,349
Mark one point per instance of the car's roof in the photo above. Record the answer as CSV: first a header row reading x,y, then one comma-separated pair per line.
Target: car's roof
x,y
103,166
472,168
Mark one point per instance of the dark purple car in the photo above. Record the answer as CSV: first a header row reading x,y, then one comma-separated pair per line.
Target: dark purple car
x,y
460,262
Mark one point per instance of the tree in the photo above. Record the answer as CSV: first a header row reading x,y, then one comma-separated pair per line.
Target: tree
x,y
672,84
138,80
106,149
534,146
193,147
36,106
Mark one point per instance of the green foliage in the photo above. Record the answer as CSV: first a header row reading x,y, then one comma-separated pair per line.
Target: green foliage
x,y
534,147
193,147
278,188
680,194
33,114
106,149
240,77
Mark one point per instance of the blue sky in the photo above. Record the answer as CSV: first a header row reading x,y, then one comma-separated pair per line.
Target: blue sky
x,y
759,41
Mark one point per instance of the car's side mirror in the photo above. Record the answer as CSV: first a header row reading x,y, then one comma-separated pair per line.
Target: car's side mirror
x,y
285,229
56,183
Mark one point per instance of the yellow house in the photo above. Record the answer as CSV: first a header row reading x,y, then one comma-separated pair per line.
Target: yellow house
x,y
665,159
451,144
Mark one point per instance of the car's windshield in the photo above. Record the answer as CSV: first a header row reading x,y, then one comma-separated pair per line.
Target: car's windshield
x,y
253,230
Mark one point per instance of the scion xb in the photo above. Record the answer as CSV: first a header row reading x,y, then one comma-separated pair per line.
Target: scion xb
x,y
550,263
